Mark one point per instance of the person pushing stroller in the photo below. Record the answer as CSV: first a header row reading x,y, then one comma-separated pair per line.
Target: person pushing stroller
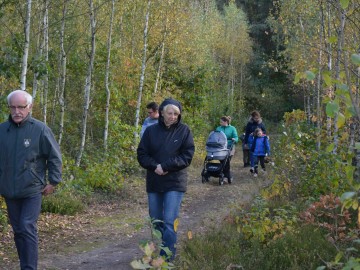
x,y
232,137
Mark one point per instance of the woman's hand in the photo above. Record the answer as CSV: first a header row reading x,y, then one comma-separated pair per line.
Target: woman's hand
x,y
159,170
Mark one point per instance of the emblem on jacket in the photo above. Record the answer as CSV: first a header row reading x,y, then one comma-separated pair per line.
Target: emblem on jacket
x,y
27,142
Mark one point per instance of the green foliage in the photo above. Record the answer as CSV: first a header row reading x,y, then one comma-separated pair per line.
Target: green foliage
x,y
214,250
355,58
151,249
263,222
301,170
303,248
3,215
105,175
65,201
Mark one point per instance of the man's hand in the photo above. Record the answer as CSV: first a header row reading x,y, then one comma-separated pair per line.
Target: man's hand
x,y
48,189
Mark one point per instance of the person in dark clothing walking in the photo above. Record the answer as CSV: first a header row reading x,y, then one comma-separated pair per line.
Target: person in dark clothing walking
x,y
29,154
246,150
165,150
254,122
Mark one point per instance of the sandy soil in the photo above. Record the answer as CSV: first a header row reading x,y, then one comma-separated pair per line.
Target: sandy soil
x,y
108,234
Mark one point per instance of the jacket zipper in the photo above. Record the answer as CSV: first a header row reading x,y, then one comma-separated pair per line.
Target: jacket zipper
x,y
14,161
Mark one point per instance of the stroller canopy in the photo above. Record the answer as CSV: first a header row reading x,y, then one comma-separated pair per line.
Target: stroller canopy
x,y
216,141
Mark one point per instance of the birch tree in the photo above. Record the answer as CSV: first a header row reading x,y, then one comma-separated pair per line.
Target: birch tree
x,y
107,71
62,73
26,45
45,79
87,88
342,17
143,67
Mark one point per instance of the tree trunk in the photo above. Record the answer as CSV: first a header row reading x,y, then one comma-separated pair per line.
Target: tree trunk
x,y
87,88
158,74
26,46
162,53
318,84
39,55
143,67
62,81
329,65
337,67
45,80
107,89
133,32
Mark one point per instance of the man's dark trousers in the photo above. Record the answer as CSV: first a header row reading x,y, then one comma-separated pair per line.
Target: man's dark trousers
x,y
23,215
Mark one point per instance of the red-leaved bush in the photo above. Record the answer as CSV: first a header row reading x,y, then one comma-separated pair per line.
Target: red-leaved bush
x,y
327,214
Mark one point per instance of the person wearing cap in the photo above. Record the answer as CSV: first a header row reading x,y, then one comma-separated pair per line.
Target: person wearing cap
x,y
166,150
30,166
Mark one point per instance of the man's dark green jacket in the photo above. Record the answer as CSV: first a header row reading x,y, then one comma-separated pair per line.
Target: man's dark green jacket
x,y
28,153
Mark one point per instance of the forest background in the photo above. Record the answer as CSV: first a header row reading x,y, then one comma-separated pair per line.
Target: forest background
x,y
92,66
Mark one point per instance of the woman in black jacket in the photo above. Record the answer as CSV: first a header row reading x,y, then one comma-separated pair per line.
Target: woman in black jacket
x,y
165,151
254,122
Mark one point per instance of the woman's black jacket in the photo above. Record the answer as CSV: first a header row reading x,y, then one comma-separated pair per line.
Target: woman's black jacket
x,y
171,147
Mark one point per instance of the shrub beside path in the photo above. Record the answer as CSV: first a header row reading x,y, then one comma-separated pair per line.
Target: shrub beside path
x,y
107,236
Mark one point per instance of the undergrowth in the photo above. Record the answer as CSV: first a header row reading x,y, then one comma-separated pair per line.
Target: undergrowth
x,y
299,222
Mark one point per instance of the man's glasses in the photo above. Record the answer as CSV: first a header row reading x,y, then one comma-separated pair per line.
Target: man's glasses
x,y
18,107
150,112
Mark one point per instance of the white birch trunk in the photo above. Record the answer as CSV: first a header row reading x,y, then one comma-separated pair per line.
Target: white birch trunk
x,y
107,89
26,46
39,53
46,54
87,88
162,55
143,67
62,64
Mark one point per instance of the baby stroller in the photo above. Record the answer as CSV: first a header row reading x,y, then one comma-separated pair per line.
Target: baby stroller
x,y
217,155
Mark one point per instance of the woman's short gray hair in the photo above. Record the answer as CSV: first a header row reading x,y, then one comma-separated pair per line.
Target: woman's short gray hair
x,y
27,96
172,106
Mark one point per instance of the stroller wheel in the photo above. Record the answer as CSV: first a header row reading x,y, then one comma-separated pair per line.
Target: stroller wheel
x,y
203,179
221,181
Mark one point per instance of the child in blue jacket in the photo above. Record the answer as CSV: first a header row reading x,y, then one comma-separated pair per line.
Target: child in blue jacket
x,y
259,149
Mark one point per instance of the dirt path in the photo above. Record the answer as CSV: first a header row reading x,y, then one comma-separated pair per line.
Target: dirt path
x,y
108,236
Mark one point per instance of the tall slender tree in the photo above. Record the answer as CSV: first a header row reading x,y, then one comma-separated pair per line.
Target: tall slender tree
x,y
143,66
26,45
88,82
107,71
62,72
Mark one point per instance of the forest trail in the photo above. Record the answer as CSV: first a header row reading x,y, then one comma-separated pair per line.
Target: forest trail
x,y
109,237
